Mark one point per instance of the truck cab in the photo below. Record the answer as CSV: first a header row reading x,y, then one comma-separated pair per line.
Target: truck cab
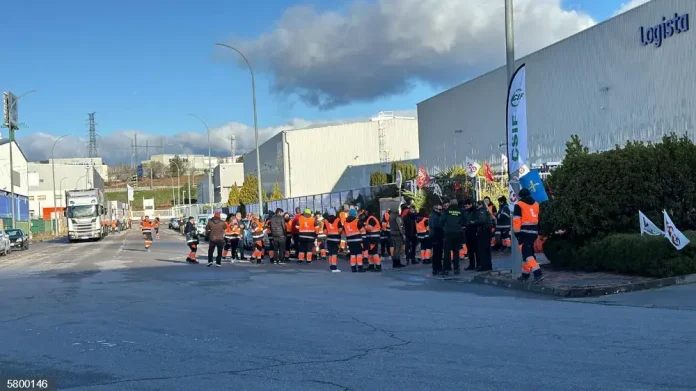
x,y
86,214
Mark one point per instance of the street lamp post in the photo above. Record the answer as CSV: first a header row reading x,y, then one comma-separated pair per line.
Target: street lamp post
x,y
515,252
178,185
62,196
11,127
256,125
210,170
77,183
53,168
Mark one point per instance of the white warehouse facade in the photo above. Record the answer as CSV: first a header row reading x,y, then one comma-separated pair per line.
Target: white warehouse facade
x,y
628,78
315,160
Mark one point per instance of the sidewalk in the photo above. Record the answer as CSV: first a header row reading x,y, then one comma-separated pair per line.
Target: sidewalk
x,y
555,283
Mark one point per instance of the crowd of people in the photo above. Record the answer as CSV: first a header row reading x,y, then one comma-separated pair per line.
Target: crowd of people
x,y
454,231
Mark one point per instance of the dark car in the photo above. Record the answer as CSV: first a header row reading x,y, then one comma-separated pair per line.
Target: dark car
x,y
18,239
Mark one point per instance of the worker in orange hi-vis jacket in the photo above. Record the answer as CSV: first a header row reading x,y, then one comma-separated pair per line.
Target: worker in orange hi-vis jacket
x,y
146,227
156,226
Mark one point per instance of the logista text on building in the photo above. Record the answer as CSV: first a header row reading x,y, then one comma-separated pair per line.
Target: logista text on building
x,y
668,27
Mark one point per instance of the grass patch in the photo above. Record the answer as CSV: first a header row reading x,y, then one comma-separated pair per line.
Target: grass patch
x,y
163,198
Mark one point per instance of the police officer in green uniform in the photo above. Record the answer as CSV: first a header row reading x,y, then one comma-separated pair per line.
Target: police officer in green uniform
x,y
452,223
483,221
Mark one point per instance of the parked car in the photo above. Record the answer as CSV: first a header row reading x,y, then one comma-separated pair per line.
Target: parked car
x,y
171,223
247,239
202,221
18,239
5,247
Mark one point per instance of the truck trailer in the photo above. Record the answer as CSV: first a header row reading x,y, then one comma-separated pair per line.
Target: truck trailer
x,y
86,214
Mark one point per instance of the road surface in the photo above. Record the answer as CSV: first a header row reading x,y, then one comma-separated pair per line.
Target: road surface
x,y
109,316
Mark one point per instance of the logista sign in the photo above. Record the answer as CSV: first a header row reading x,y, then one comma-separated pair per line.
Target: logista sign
x,y
668,27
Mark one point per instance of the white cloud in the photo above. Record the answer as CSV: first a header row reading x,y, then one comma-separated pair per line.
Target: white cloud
x,y
381,48
630,5
116,147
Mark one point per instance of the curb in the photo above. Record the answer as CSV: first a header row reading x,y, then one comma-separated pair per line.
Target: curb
x,y
583,291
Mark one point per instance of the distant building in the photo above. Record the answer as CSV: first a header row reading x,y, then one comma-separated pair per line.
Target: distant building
x,y
316,160
70,176
225,176
20,177
97,162
197,163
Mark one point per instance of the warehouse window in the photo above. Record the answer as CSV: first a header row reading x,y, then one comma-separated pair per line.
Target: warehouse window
x,y
31,198
43,198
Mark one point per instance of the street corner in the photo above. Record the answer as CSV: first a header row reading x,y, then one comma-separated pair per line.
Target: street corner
x,y
569,284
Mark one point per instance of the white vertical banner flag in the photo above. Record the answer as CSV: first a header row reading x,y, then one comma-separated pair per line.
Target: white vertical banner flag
x,y
678,240
512,196
472,168
647,227
503,163
130,193
517,121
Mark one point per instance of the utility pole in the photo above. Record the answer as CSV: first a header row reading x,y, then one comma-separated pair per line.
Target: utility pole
x,y
135,154
92,136
233,142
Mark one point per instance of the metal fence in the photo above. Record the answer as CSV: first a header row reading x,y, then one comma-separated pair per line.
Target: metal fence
x,y
367,197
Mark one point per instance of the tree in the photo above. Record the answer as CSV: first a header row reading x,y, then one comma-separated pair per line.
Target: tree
x,y
249,193
408,171
235,196
240,159
121,173
156,170
276,195
378,178
177,166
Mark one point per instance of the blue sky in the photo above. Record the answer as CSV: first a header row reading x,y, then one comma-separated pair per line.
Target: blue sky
x,y
143,65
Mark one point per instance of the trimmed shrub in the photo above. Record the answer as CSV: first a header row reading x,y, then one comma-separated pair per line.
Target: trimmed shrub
x,y
378,178
632,254
599,194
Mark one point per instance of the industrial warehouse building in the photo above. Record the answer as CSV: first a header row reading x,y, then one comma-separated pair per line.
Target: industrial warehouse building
x,y
324,159
225,176
628,78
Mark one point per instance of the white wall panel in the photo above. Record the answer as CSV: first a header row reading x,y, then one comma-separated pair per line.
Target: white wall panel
x,y
601,84
271,163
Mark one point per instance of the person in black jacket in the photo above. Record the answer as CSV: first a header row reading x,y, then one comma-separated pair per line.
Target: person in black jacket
x,y
408,215
452,223
278,236
191,233
470,232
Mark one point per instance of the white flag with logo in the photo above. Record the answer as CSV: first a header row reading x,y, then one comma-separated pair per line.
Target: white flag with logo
x,y
678,240
647,227
472,168
503,163
512,196
517,121
130,193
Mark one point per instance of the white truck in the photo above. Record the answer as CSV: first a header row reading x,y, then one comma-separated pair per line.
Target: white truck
x,y
86,214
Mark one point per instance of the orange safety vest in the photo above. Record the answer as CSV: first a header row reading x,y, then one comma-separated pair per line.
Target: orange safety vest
x,y
319,229
528,220
257,230
385,222
156,224
372,227
422,228
333,231
343,216
490,209
146,226
288,227
306,227
353,233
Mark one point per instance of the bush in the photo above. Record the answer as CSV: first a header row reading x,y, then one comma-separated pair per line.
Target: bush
x,y
408,171
632,254
378,178
600,194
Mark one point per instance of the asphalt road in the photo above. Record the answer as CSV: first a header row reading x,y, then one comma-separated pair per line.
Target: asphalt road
x,y
109,316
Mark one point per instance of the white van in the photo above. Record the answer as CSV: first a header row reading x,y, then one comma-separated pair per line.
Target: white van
x,y
202,221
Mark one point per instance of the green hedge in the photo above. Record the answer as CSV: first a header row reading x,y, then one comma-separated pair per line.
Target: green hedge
x,y
632,254
600,194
